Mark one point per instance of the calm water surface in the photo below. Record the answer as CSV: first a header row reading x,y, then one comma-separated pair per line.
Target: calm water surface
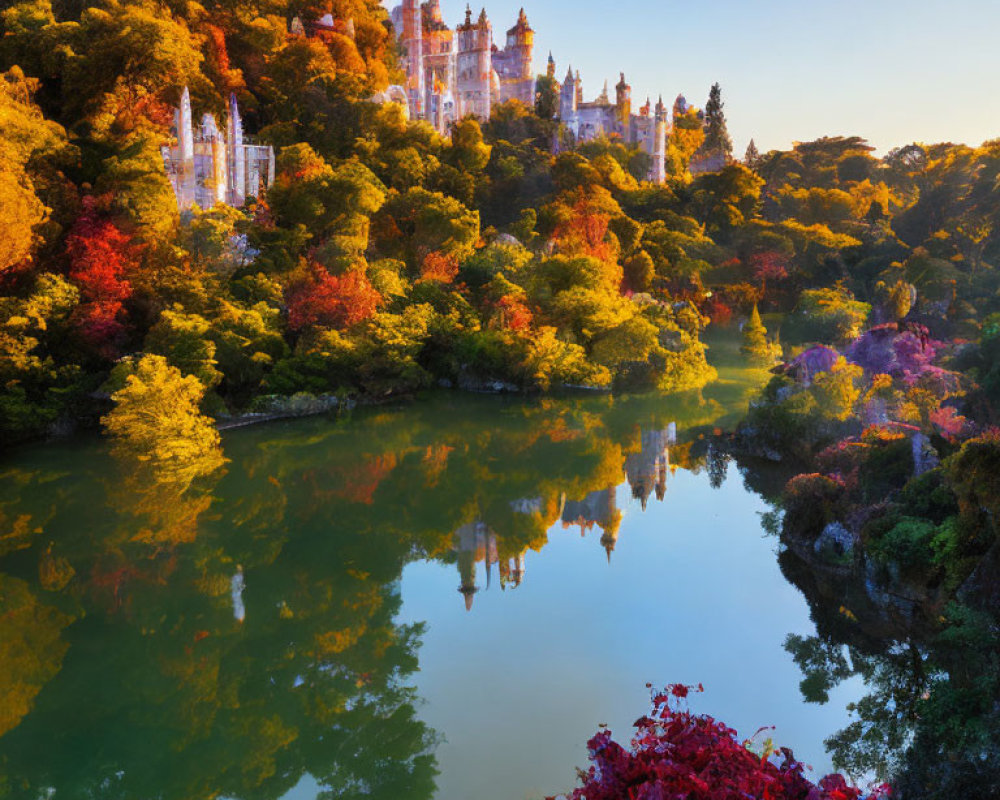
x,y
441,600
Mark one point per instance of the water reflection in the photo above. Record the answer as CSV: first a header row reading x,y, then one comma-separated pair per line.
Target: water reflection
x,y
228,632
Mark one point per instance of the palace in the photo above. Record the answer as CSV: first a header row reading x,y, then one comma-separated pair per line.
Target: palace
x,y
451,74
207,166
647,129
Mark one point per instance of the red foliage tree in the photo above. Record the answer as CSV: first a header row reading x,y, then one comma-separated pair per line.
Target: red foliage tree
x,y
767,266
514,315
439,267
585,231
101,256
677,754
332,301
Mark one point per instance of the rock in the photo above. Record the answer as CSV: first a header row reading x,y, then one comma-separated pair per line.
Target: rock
x,y
925,457
506,240
836,539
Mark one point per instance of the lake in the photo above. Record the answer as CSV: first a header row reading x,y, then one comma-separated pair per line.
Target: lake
x,y
441,599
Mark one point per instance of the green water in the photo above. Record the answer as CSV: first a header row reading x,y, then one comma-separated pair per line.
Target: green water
x,y
441,599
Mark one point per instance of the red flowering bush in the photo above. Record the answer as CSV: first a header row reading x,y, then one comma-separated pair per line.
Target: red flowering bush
x,y
676,755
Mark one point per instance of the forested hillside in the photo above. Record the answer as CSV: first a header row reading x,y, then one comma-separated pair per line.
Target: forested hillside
x,y
386,258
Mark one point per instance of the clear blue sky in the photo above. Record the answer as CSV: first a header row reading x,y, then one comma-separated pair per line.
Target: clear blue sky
x,y
894,71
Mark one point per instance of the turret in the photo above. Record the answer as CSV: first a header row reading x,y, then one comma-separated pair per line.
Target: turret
x,y
475,65
567,97
412,40
185,152
237,155
522,38
550,70
658,173
579,90
603,99
623,105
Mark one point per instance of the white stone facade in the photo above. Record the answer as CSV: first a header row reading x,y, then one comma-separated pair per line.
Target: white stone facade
x,y
451,74
587,121
206,167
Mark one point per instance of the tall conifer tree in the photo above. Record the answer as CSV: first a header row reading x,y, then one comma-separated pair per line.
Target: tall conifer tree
x,y
716,135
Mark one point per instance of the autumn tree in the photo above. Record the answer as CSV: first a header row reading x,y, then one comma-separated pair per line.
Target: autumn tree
x,y
756,346
101,256
317,298
156,419
26,134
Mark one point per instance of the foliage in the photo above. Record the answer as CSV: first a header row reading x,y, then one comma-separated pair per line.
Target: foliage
x,y
831,315
676,753
156,419
755,343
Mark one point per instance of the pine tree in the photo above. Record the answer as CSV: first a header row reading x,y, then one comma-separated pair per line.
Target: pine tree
x,y
716,135
755,343
752,158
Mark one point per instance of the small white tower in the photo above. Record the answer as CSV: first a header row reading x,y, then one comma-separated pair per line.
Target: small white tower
x,y
185,152
237,156
658,174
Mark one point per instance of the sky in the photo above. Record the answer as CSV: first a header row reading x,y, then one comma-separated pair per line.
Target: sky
x,y
892,71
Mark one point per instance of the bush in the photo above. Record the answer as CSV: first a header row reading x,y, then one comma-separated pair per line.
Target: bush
x,y
678,754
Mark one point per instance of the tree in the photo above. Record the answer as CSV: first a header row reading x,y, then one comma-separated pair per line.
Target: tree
x,y
676,753
546,97
26,134
716,135
755,343
156,419
183,340
752,158
414,224
101,256
319,298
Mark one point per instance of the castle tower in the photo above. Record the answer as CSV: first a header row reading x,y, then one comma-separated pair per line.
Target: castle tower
x,y
550,70
412,39
603,99
519,52
579,90
185,154
623,105
475,65
568,98
658,173
237,156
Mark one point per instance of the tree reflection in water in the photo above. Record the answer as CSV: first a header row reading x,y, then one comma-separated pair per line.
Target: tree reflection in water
x,y
229,632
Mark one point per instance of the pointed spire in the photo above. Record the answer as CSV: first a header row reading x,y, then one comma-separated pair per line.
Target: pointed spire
x,y
468,14
483,18
522,18
569,74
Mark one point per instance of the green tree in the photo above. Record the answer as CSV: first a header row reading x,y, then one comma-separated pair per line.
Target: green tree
x,y
546,97
716,135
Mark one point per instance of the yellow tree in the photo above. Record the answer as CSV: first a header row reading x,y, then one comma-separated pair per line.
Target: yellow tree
x,y
156,420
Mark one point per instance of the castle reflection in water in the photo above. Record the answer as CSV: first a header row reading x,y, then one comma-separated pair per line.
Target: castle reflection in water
x,y
646,473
